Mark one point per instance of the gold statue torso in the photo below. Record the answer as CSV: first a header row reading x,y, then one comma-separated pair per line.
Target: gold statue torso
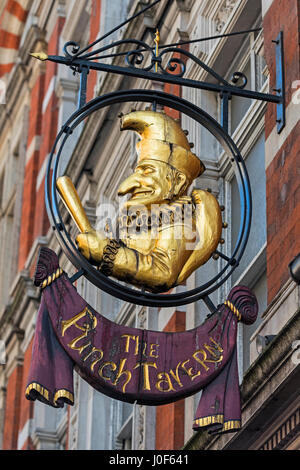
x,y
157,256
155,251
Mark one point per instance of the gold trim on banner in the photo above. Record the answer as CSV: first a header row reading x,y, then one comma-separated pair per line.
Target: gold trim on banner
x,y
52,278
38,388
230,425
214,419
63,394
233,309
45,393
218,419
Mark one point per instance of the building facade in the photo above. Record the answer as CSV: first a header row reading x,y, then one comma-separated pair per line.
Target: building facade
x,y
38,97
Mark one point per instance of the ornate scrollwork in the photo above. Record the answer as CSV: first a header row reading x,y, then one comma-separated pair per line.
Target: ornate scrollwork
x,y
144,54
137,57
175,61
175,65
75,49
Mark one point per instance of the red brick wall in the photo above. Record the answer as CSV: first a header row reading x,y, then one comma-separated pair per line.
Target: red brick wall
x,y
49,130
170,418
173,89
283,15
31,171
34,223
283,204
9,40
283,173
94,34
34,216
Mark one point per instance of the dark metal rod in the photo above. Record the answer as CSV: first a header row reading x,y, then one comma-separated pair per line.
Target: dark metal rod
x,y
83,87
225,97
280,82
77,276
167,78
226,258
209,303
115,29
182,43
209,38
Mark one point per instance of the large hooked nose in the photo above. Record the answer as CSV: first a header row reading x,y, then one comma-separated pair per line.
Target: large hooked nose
x,y
129,185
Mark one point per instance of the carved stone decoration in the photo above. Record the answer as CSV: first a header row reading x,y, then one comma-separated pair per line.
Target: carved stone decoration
x,y
140,427
142,318
224,14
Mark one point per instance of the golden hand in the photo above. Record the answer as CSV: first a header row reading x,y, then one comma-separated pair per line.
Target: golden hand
x,y
91,245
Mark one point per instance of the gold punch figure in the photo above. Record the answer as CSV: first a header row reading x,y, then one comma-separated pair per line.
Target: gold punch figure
x,y
160,259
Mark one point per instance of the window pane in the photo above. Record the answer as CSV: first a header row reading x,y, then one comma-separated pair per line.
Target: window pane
x,y
239,106
255,164
260,291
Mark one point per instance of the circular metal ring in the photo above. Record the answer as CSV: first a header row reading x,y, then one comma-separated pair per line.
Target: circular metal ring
x,y
111,286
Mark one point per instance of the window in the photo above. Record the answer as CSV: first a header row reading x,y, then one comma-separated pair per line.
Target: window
x,y
246,123
112,14
124,436
255,163
8,233
252,64
252,269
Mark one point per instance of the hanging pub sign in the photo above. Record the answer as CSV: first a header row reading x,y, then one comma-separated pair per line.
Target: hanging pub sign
x,y
133,365
165,231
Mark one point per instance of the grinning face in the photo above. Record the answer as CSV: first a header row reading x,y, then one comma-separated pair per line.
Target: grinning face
x,y
153,182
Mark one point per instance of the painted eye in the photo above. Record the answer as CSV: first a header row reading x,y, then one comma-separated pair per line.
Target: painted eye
x,y
147,171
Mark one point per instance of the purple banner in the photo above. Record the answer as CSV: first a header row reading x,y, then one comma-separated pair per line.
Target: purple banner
x,y
134,365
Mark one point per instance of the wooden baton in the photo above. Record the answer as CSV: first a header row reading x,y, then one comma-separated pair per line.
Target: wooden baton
x,y
73,204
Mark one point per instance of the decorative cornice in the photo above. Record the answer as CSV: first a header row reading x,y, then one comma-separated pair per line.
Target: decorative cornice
x,y
275,353
126,314
285,434
34,41
224,13
37,244
184,5
43,440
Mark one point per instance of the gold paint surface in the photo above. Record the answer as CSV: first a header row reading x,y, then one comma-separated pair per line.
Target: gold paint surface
x,y
71,199
157,256
39,55
122,373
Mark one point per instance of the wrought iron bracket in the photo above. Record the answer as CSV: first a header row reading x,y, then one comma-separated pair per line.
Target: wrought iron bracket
x,y
84,71
167,66
90,272
173,72
280,82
